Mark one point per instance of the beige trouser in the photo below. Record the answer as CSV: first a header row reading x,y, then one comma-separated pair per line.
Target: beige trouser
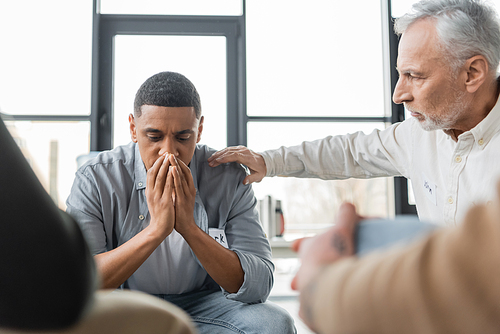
x,y
127,312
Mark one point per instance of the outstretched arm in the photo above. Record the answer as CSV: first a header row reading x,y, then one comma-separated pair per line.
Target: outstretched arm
x,y
244,156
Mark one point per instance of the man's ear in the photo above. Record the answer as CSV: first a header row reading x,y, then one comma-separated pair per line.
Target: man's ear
x,y
477,71
133,133
200,129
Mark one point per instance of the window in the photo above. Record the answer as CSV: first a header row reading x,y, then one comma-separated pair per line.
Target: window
x,y
52,149
45,92
312,72
309,59
207,49
274,67
310,205
172,7
45,63
189,55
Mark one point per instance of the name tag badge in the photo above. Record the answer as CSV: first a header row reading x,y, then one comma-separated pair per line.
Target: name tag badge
x,y
429,189
219,235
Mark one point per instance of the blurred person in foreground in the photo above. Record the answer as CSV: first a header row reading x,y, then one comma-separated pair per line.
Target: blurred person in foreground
x,y
447,61
447,282
48,279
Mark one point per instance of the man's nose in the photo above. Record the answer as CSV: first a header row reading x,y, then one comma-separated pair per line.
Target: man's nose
x,y
401,93
169,146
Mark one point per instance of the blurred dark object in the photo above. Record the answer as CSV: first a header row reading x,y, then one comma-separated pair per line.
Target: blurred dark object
x,y
47,274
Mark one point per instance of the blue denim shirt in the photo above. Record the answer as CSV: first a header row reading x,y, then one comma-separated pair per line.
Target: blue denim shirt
x,y
109,203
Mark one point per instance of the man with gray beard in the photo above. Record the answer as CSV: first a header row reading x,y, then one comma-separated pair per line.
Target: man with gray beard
x,y
448,56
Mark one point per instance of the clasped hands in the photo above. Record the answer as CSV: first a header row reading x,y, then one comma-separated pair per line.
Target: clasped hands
x,y
170,195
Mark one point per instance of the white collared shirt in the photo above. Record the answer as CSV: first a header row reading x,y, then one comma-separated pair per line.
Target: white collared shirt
x,y
448,177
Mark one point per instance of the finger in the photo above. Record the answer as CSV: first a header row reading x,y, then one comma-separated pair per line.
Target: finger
x,y
255,177
169,186
179,187
219,153
161,177
179,179
347,216
186,173
216,155
344,236
238,154
293,284
296,244
153,172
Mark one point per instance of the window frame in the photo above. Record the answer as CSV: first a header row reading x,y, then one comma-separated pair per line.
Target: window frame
x,y
401,198
106,26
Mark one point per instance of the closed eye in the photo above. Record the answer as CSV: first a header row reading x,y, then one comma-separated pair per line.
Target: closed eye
x,y
184,135
154,138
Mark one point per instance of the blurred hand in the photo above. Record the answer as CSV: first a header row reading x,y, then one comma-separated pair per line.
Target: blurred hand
x,y
242,155
316,252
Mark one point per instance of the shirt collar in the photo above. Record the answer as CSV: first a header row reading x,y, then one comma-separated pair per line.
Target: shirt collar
x,y
488,127
139,170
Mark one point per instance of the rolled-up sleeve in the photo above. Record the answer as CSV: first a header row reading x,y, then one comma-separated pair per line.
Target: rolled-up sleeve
x,y
247,239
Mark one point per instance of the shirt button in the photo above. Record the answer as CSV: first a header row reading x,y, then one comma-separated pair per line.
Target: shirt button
x,y
458,159
450,200
141,217
480,141
140,184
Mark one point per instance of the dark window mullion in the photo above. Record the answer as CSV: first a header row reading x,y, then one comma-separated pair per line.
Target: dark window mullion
x,y
400,183
112,25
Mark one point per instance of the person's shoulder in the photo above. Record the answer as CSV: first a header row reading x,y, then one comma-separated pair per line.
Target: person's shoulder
x,y
203,152
119,156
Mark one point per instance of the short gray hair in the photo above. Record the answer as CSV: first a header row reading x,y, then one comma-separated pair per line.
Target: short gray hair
x,y
467,28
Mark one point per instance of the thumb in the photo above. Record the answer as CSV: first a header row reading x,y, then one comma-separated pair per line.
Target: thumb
x,y
347,216
251,179
293,284
296,244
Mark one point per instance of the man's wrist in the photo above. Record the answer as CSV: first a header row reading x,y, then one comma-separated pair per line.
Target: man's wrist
x,y
157,233
187,229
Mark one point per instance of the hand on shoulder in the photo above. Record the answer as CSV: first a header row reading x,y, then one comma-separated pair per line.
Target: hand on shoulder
x,y
242,155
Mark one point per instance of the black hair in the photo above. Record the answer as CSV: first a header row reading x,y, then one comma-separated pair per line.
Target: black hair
x,y
167,89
